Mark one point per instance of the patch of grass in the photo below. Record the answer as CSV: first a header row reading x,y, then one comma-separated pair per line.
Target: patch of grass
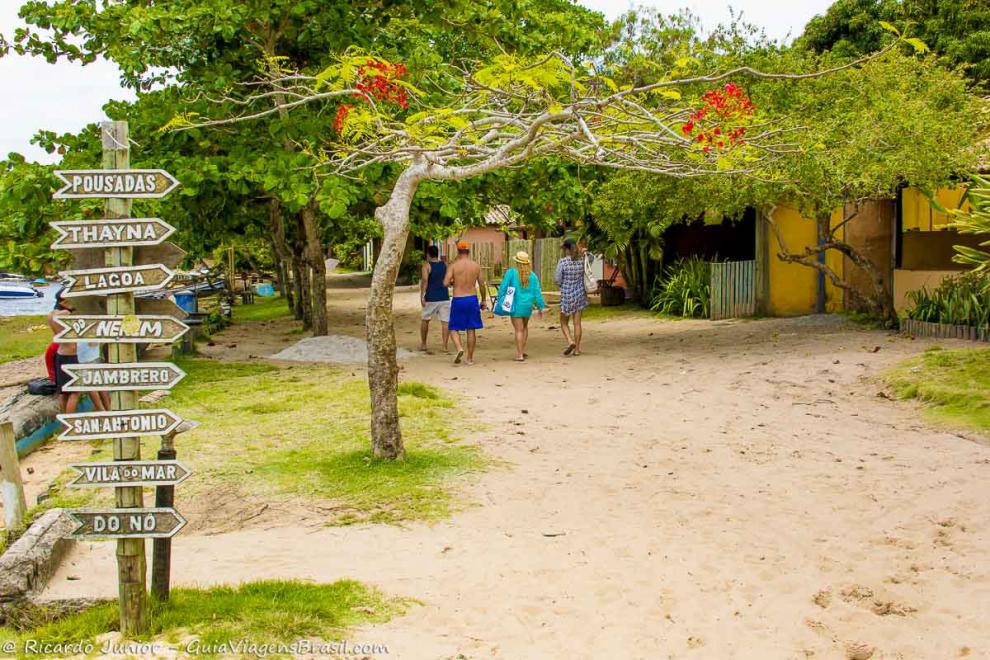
x,y
23,337
954,384
304,431
628,309
267,612
263,309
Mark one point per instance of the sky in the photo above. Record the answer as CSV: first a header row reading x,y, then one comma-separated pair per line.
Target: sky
x,y
65,97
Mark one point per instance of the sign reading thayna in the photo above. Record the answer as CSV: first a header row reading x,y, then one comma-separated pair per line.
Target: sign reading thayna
x,y
120,232
125,184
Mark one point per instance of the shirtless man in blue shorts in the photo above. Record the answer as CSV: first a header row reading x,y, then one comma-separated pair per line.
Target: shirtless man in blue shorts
x,y
465,311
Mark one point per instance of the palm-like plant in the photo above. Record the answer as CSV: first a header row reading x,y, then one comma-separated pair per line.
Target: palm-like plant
x,y
976,221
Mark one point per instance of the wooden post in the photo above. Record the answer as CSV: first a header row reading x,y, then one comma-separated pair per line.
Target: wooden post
x,y
11,486
131,563
161,553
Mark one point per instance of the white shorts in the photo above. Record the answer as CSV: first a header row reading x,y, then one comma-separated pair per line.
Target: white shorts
x,y
440,308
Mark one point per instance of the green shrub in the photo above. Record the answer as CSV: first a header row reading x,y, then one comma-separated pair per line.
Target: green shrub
x,y
685,289
960,300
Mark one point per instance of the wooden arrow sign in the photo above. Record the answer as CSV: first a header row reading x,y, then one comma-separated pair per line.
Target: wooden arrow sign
x,y
123,184
118,424
97,306
126,376
167,254
129,473
121,279
126,523
122,232
124,329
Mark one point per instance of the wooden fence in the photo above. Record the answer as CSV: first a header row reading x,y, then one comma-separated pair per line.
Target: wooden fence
x,y
484,253
944,330
733,289
543,252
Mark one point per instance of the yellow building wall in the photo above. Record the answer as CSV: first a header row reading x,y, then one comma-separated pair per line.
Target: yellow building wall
x,y
918,214
793,288
912,280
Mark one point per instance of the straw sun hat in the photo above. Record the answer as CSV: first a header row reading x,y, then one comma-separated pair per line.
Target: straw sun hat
x,y
522,257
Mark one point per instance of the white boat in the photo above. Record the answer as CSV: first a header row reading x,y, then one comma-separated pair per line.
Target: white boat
x,y
10,290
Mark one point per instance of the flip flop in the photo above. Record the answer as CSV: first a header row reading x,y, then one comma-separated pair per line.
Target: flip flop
x,y
570,349
460,354
520,359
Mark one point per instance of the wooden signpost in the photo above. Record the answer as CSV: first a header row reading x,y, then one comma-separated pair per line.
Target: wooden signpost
x,y
116,257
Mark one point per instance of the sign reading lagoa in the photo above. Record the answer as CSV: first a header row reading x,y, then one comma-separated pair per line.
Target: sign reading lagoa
x,y
129,473
121,279
118,424
126,376
129,329
123,232
125,184
124,523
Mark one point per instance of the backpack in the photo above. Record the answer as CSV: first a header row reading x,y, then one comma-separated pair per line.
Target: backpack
x,y
41,387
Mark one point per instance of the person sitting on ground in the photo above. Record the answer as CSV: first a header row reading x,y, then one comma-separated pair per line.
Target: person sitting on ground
x,y
573,297
517,295
65,355
465,312
434,297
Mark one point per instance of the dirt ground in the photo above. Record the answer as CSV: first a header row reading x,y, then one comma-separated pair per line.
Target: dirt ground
x,y
681,490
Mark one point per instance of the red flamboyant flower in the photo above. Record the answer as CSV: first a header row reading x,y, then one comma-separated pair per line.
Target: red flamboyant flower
x,y
715,124
376,80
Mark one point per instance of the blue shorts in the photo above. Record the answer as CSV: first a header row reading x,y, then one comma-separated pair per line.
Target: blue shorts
x,y
465,313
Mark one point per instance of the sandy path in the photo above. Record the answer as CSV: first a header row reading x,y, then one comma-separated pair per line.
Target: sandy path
x,y
683,489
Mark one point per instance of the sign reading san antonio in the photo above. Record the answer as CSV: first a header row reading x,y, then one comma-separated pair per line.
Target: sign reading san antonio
x,y
124,376
122,232
120,279
125,184
118,424
124,329
129,473
123,523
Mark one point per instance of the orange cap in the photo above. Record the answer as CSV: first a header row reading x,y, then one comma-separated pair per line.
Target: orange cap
x,y
463,245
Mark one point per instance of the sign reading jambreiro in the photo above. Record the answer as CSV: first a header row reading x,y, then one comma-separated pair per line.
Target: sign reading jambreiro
x,y
125,329
121,279
123,232
123,376
129,473
122,523
125,184
118,424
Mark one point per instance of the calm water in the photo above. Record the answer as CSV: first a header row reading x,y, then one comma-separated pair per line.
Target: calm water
x,y
27,306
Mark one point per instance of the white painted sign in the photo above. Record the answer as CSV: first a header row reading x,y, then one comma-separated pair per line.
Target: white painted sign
x,y
120,279
126,523
130,329
124,184
120,232
126,376
118,424
129,473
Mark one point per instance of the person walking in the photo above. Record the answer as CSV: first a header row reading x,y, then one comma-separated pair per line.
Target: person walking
x,y
518,293
465,311
569,277
434,297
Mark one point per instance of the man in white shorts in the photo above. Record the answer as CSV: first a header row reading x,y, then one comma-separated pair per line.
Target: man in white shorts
x,y
434,297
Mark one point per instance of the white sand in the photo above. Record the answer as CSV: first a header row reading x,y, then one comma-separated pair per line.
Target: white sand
x,y
334,349
681,490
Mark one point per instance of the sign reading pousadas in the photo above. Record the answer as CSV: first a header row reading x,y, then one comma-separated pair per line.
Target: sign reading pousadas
x,y
123,523
122,184
128,473
117,424
121,279
125,376
129,329
122,232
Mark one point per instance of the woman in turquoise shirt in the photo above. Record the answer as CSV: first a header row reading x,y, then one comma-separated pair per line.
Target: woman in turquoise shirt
x,y
518,294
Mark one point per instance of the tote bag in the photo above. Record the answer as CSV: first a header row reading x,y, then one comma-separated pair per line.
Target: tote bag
x,y
590,283
503,306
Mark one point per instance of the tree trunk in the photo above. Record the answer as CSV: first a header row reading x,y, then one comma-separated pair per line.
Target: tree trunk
x,y
283,255
383,370
303,272
309,219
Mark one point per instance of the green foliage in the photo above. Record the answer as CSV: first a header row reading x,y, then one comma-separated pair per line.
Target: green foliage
x,y
23,337
263,309
959,300
954,385
261,613
976,221
685,290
